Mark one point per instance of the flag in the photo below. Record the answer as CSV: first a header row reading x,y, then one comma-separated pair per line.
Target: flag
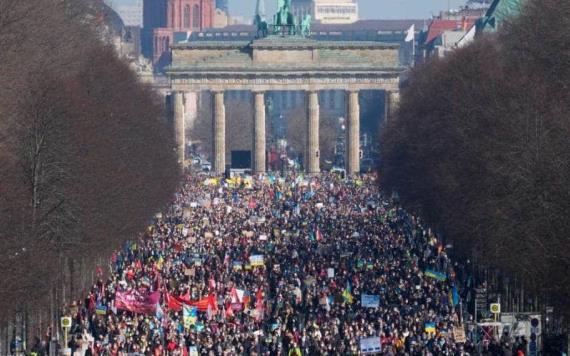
x,y
159,312
236,295
436,275
173,303
453,296
189,315
101,310
347,293
246,299
259,303
318,234
252,204
213,303
177,303
411,33
229,312
429,328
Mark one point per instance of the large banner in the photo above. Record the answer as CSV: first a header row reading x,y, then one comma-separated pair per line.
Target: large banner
x,y
136,302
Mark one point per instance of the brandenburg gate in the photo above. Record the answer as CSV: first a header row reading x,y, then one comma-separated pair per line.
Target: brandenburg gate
x,y
282,63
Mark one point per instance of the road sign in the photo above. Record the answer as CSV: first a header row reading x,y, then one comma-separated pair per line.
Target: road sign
x,y
66,322
495,308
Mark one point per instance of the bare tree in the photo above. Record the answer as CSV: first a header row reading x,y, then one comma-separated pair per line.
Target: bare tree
x,y
481,147
85,156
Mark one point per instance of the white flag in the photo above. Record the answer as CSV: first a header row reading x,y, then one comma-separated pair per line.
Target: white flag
x,y
411,34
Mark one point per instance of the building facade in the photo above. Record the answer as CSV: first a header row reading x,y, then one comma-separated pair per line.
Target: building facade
x,y
164,18
327,11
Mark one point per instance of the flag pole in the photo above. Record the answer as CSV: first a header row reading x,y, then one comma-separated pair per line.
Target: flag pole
x,y
414,49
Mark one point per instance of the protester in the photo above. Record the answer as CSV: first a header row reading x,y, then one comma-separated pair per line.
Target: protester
x,y
275,266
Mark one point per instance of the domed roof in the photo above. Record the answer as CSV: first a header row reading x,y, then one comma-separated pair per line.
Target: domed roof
x,y
109,17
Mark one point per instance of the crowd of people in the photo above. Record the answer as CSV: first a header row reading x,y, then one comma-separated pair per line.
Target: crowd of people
x,y
276,266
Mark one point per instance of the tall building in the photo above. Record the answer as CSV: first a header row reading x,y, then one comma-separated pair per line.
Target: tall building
x,y
327,11
163,18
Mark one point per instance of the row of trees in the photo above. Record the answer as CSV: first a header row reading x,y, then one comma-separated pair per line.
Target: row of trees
x,y
481,148
86,155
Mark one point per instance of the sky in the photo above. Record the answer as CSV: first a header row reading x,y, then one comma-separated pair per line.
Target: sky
x,y
369,9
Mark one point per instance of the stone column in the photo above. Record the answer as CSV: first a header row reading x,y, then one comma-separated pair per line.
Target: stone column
x,y
312,154
191,107
353,133
392,104
179,127
259,133
219,133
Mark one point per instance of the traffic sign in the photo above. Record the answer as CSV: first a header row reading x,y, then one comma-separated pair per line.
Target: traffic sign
x,y
495,308
66,322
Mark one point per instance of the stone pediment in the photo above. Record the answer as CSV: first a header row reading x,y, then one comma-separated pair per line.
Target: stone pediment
x,y
284,52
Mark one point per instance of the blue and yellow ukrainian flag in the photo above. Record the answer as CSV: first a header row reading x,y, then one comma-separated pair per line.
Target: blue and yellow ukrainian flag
x,y
429,328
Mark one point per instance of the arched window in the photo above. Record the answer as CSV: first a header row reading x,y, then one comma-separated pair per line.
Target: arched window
x,y
187,16
196,16
165,44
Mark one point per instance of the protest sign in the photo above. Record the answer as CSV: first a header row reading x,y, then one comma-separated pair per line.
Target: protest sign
x,y
256,260
370,345
370,301
237,266
459,334
330,272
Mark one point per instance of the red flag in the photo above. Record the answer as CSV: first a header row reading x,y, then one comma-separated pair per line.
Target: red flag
x,y
212,285
259,303
229,310
246,300
176,303
319,235
185,298
173,303
252,204
213,302
92,304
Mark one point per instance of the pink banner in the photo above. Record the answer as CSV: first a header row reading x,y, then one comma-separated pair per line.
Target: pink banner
x,y
136,302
